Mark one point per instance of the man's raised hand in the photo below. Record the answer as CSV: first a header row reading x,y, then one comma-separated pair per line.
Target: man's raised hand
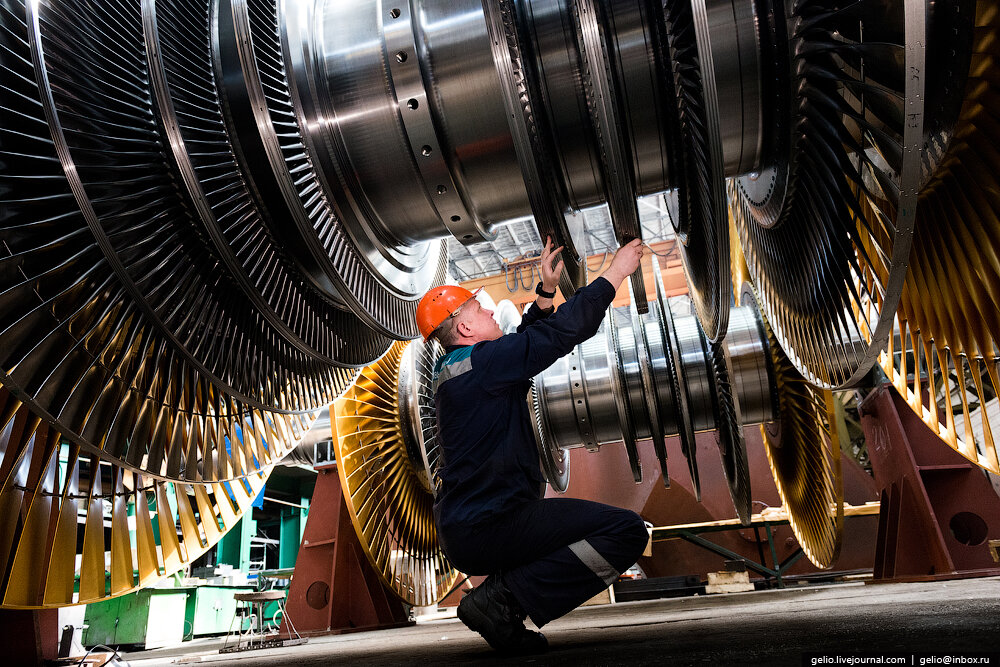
x,y
625,262
549,268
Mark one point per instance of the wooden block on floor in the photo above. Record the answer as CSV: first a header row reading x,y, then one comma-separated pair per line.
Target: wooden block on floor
x,y
95,659
607,596
995,550
728,582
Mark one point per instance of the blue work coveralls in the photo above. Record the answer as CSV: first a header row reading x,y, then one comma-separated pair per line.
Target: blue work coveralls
x,y
553,554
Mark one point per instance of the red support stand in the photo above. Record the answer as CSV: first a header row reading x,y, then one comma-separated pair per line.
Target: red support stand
x,y
29,636
939,511
334,588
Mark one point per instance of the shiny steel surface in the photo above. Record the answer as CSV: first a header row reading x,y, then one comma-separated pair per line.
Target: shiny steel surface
x,y
355,49
121,349
748,353
260,111
729,436
595,393
555,461
324,120
559,404
166,336
594,44
629,357
462,106
201,152
575,396
215,211
527,130
695,358
701,210
661,367
640,69
590,418
624,385
648,390
557,63
621,391
428,119
684,416
730,27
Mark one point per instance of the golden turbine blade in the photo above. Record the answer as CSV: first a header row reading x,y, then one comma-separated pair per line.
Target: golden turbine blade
x,y
47,481
944,356
389,507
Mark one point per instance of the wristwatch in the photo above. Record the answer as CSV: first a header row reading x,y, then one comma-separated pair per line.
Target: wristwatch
x,y
540,291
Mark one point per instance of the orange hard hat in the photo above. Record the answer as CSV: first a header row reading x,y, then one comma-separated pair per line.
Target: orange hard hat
x,y
439,304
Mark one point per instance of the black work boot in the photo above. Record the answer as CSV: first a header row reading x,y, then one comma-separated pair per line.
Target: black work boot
x,y
493,611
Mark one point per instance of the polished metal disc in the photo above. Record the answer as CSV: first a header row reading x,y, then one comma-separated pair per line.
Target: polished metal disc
x,y
701,223
729,433
827,224
621,394
594,44
555,461
121,334
183,82
261,111
650,392
685,423
528,129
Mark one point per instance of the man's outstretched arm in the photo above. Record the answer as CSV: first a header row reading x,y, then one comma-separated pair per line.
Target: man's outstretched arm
x,y
517,358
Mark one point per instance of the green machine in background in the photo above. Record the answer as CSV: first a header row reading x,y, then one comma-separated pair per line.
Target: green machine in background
x,y
151,618
282,520
266,540
270,538
293,524
234,547
155,617
278,531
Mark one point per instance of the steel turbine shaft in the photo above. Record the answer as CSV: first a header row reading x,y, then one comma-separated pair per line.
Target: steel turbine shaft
x,y
647,377
250,195
214,212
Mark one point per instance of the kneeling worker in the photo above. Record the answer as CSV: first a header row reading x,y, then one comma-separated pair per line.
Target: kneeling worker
x,y
544,557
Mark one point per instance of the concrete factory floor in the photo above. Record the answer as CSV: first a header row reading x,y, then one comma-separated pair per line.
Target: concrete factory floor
x,y
777,627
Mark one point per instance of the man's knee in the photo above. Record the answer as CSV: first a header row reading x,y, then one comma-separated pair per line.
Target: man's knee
x,y
638,533
631,531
